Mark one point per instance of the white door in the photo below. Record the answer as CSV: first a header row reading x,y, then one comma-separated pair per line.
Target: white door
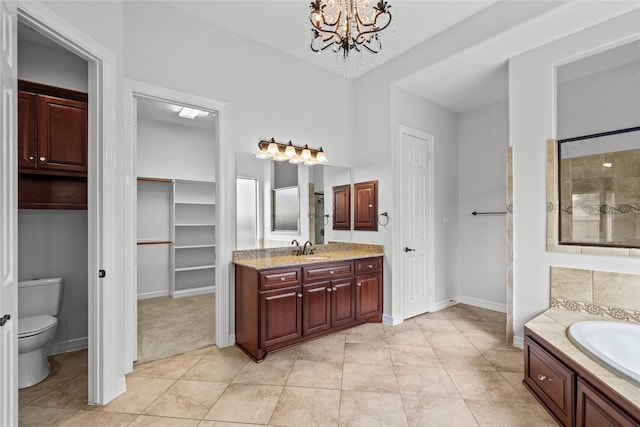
x,y
8,217
416,202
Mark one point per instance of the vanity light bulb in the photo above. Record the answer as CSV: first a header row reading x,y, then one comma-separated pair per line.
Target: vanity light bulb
x,y
272,148
306,153
290,151
607,164
320,156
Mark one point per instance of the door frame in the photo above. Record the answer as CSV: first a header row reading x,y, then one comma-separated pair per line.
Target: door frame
x,y
397,291
133,89
106,379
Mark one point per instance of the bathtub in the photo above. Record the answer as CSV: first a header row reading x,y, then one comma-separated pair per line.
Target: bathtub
x,y
614,345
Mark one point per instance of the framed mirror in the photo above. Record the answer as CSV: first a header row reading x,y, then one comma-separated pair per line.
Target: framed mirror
x,y
593,170
264,191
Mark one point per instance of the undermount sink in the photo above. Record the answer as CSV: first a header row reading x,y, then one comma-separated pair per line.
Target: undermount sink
x,y
313,257
614,345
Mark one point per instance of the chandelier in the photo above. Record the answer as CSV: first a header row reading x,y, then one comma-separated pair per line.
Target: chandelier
x,y
348,24
288,152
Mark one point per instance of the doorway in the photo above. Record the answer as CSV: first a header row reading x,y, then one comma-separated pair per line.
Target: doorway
x,y
176,227
413,247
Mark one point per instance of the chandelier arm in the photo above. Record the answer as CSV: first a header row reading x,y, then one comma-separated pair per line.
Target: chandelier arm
x,y
360,37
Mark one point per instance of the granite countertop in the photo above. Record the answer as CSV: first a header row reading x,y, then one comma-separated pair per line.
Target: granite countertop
x,y
552,325
265,262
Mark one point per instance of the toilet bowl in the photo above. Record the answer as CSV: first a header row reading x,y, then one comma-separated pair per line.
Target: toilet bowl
x,y
38,306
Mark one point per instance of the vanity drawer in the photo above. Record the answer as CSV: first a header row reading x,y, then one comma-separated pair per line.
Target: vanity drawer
x,y
325,271
368,265
279,278
551,381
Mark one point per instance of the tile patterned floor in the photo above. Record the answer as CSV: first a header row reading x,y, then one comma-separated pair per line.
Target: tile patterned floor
x,y
449,368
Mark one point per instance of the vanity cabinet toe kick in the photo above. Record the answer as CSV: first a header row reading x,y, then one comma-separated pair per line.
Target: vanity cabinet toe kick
x,y
279,307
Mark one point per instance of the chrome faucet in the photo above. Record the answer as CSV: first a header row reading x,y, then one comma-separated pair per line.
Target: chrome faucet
x,y
304,248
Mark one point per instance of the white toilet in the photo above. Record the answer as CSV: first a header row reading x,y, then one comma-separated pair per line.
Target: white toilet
x,y
38,306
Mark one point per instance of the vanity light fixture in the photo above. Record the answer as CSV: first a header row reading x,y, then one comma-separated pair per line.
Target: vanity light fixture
x,y
282,152
191,113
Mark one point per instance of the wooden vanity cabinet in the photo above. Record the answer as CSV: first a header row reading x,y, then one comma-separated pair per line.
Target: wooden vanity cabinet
x,y
570,393
279,307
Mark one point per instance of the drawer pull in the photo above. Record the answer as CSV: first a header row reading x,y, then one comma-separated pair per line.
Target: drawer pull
x,y
359,284
543,378
370,266
282,278
331,272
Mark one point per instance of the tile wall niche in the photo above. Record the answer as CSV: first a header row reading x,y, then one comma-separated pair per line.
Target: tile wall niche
x,y
601,293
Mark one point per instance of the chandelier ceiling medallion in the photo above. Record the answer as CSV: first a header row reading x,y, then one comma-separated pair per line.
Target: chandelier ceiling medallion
x,y
348,25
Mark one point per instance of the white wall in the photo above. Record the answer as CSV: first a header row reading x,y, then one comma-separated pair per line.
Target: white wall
x,y
604,101
270,94
51,66
174,151
532,122
482,253
54,242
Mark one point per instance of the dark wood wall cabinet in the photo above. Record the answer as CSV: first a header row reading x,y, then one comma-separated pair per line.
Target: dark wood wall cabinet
x,y
568,392
279,307
342,207
52,147
365,206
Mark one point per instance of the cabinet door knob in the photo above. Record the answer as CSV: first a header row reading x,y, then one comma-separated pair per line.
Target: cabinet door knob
x,y
299,295
328,289
542,377
334,288
30,157
359,284
42,158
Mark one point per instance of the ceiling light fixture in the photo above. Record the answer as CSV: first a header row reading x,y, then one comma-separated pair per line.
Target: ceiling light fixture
x,y
287,151
348,24
191,113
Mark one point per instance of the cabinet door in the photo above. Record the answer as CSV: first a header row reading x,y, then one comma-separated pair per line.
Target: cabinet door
x,y
342,302
365,206
62,134
317,308
280,316
27,130
594,409
342,207
368,296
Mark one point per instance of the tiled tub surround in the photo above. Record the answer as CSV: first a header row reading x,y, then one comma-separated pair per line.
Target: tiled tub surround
x,y
604,294
579,295
282,257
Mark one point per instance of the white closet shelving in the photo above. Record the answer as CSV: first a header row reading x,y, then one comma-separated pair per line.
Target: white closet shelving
x,y
194,222
176,237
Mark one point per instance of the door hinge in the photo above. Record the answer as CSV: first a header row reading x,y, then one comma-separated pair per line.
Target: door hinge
x,y
4,319
101,273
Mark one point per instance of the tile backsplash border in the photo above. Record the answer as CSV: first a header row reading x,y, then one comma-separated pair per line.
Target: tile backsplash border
x,y
609,295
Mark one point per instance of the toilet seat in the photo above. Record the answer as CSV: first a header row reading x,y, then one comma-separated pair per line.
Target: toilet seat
x,y
30,326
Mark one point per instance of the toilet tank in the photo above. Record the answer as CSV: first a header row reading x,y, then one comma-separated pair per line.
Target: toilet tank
x,y
39,297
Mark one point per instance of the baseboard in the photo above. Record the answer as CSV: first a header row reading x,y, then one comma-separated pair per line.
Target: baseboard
x,y
67,346
518,342
154,294
390,320
441,305
193,292
477,302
